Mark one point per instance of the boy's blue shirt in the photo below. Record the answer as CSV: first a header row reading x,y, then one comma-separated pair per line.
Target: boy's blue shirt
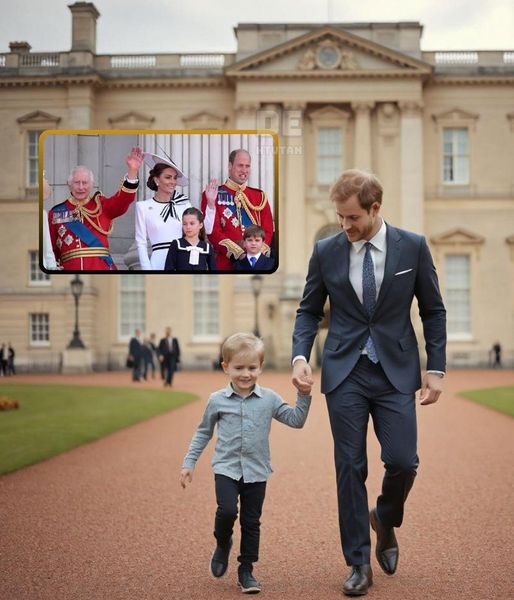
x,y
242,447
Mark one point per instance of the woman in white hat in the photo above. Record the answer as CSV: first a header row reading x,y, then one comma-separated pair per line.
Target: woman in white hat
x,y
159,218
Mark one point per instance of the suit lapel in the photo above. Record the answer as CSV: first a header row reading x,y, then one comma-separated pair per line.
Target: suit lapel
x,y
393,240
343,258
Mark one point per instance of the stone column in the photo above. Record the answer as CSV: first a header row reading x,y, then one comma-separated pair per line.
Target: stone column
x,y
294,251
80,106
362,154
246,115
292,213
411,169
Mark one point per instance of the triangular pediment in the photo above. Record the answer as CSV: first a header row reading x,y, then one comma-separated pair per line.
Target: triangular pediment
x,y
458,237
328,52
204,120
455,114
131,120
328,113
38,117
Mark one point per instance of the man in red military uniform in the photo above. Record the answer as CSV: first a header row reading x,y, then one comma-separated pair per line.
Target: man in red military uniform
x,y
80,226
237,206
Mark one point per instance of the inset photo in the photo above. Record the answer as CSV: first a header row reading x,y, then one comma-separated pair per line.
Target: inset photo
x,y
159,202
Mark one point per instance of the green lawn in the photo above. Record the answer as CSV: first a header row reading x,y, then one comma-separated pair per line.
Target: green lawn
x,y
55,418
500,398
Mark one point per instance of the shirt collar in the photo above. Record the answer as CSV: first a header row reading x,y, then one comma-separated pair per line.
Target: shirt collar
x,y
378,240
235,187
229,391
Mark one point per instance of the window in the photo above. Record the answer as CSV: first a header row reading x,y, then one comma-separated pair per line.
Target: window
x,y
36,276
456,155
132,304
329,154
206,306
39,329
457,277
32,158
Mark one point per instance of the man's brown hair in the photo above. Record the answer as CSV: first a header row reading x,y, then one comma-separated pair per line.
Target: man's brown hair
x,y
354,182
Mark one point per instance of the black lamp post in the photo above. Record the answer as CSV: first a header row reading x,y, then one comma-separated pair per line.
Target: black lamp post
x,y
76,289
257,281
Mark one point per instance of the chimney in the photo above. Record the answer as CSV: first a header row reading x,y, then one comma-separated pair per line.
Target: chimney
x,y
19,47
83,37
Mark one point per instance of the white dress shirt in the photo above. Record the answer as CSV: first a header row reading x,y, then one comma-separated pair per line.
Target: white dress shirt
x,y
378,255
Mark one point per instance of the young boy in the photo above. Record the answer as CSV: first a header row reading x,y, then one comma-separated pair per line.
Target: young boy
x,y
241,464
253,240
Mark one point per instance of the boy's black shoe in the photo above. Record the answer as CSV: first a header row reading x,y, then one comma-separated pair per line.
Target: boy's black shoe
x,y
219,560
247,582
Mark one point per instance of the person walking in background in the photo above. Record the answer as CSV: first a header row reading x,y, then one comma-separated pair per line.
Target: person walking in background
x,y
147,359
136,354
371,273
496,352
242,412
3,360
169,355
153,347
10,360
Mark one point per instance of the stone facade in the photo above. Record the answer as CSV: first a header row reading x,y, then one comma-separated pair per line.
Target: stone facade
x,y
391,108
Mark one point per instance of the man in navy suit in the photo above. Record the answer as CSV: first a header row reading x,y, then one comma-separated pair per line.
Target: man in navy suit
x,y
136,354
254,260
371,273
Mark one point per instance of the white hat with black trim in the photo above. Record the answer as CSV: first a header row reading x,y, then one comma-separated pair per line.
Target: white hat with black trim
x,y
154,159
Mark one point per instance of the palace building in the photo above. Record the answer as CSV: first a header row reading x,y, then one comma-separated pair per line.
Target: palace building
x,y
436,127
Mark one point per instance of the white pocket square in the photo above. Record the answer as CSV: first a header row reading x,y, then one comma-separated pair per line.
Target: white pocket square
x,y
403,272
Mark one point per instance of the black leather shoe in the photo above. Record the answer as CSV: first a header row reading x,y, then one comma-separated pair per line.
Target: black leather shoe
x,y
387,550
359,580
219,560
247,582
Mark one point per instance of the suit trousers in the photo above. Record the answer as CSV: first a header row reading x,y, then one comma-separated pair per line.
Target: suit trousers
x,y
251,497
367,391
170,366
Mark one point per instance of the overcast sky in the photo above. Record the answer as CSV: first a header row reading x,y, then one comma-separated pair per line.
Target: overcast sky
x,y
127,26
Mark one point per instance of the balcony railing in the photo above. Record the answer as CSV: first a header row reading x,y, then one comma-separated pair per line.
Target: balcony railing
x,y
115,62
470,58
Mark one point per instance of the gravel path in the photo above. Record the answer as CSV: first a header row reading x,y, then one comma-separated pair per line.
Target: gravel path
x,y
109,520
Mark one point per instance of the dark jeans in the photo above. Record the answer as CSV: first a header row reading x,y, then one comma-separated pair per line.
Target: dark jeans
x,y
367,391
251,497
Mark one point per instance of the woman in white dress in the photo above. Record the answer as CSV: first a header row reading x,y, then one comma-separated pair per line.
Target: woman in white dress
x,y
159,218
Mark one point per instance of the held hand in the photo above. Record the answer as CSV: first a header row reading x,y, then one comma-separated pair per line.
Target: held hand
x,y
302,376
211,193
134,161
186,475
431,388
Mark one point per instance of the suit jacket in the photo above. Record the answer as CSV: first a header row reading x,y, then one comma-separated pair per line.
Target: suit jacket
x,y
409,272
135,348
164,349
264,263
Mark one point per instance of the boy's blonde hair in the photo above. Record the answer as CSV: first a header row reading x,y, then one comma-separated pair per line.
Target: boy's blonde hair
x,y
242,342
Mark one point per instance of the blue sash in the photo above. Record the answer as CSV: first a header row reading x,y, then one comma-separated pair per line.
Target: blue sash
x,y
84,234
